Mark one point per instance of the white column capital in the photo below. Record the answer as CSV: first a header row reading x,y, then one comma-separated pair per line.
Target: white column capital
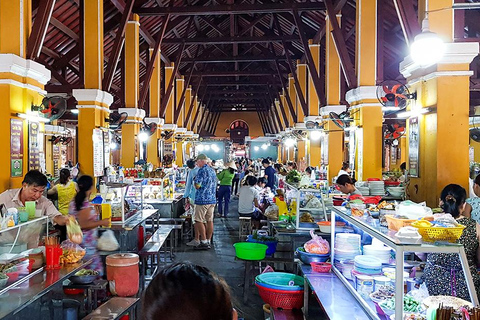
x,y
455,53
11,63
133,113
96,95
325,111
181,130
158,121
169,126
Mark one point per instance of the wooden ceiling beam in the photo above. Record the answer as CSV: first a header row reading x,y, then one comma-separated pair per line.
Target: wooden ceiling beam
x,y
314,74
235,59
408,19
60,26
176,114
117,46
300,95
151,63
229,40
230,9
39,29
287,95
233,73
251,24
340,45
169,89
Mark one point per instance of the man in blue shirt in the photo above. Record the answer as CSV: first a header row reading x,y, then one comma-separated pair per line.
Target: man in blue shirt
x,y
205,199
269,174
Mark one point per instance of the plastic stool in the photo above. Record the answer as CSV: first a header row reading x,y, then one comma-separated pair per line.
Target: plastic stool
x,y
244,227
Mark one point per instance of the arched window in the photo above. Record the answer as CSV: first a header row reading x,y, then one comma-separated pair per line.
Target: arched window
x,y
238,131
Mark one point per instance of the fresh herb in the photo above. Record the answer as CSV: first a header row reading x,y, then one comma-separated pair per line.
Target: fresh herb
x,y
261,238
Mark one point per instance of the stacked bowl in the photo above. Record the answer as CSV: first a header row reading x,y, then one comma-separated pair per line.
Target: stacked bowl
x,y
396,191
377,188
280,289
347,246
367,265
380,252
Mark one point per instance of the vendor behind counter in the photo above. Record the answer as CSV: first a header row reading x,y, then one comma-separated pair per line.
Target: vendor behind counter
x,y
33,187
346,185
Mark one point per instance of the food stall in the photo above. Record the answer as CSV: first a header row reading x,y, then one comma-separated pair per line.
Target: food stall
x,y
369,267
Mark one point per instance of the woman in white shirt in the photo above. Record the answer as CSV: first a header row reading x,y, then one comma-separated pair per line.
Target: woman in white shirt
x,y
344,170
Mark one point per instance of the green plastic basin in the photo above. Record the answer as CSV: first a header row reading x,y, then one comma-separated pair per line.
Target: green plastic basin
x,y
250,250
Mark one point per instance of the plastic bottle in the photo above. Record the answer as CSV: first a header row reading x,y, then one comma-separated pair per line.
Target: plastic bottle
x,y
14,213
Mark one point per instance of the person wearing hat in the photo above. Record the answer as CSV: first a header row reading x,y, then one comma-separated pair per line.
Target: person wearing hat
x,y
224,191
206,184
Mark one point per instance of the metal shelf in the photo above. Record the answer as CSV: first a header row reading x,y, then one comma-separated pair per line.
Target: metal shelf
x,y
387,237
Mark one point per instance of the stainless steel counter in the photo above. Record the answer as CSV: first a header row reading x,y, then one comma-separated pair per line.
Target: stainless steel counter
x,y
134,220
333,296
19,297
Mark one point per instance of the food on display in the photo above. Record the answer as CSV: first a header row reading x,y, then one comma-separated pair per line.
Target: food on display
x,y
409,304
383,293
307,217
386,206
411,316
356,212
293,176
72,252
86,272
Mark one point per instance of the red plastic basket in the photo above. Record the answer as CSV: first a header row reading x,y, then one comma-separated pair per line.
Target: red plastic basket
x,y
281,298
322,267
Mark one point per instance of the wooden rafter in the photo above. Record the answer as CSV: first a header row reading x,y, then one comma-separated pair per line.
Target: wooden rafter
x,y
340,45
408,19
286,47
117,46
228,40
178,109
230,9
317,82
39,28
151,64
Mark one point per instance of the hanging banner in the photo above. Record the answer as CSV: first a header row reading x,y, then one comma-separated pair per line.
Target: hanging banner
x,y
351,150
34,146
98,152
413,147
167,148
16,148
324,150
57,159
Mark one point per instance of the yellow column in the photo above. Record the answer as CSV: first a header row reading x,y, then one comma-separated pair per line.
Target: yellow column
x,y
179,154
155,95
180,84
280,153
302,79
93,43
93,103
280,114
334,141
313,99
302,150
443,133
15,26
170,105
365,106
130,148
188,102
293,94
283,98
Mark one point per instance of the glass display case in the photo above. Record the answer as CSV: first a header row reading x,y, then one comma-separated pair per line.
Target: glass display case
x,y
116,194
308,205
180,180
155,190
366,226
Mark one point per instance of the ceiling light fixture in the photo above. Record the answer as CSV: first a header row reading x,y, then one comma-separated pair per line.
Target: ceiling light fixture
x,y
315,135
427,48
143,136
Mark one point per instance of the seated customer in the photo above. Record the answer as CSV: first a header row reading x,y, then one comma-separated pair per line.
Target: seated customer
x,y
443,272
248,201
184,291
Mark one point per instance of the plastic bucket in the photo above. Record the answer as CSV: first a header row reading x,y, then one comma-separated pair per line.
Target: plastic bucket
x,y
272,245
281,281
70,309
123,274
250,250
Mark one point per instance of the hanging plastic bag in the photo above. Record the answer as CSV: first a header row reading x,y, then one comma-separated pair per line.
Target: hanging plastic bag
x,y
271,212
107,241
317,245
72,252
74,232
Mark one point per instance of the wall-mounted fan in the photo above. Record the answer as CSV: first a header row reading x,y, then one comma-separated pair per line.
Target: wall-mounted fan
x,y
117,119
394,131
167,134
55,139
341,120
150,128
312,125
475,134
51,108
394,94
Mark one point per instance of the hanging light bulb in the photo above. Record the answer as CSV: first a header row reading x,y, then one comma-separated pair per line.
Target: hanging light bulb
x,y
256,148
427,48
113,146
200,147
289,142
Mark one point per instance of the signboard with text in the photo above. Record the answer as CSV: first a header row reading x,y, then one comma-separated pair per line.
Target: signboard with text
x,y
16,148
33,146
98,153
413,147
